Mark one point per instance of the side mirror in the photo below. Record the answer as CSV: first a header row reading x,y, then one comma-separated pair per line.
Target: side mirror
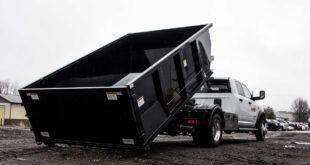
x,y
261,94
260,97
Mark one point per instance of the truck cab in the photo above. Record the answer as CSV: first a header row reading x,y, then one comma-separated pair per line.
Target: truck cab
x,y
233,97
221,104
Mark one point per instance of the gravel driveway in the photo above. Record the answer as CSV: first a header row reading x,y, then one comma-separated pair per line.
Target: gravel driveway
x,y
17,146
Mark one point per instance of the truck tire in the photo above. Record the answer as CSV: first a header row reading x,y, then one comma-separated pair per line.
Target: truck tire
x,y
209,134
262,131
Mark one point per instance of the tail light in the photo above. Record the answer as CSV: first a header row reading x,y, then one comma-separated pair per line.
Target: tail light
x,y
192,121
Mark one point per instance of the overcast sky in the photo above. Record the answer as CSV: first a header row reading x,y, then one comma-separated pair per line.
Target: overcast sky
x,y
263,43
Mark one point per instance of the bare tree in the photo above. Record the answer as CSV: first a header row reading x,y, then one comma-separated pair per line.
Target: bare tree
x,y
301,110
9,87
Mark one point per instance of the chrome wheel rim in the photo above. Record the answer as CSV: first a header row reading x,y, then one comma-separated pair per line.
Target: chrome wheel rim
x,y
216,130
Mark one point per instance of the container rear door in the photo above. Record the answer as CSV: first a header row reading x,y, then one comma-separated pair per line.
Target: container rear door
x,y
86,115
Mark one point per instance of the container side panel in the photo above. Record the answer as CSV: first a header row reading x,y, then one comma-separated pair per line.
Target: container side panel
x,y
172,87
152,118
149,105
204,49
168,85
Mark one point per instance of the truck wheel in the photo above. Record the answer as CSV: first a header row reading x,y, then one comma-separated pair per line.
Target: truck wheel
x,y
209,135
262,131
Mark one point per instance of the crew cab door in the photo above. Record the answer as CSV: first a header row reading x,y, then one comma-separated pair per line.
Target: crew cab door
x,y
253,107
246,112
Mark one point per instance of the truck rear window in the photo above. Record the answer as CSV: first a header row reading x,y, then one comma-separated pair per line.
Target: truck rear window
x,y
215,86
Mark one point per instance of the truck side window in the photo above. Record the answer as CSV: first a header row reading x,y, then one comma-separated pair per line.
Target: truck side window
x,y
216,86
239,88
246,91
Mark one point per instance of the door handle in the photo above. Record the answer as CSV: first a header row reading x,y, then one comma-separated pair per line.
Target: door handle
x,y
240,100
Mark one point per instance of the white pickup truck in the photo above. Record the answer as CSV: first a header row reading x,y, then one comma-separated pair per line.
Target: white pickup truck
x,y
222,104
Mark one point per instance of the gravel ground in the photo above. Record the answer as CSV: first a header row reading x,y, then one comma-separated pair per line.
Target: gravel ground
x,y
17,146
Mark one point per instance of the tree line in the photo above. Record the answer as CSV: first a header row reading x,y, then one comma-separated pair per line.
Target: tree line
x,y
9,87
300,109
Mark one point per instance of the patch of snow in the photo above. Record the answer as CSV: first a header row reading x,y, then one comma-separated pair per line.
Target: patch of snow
x,y
289,146
303,143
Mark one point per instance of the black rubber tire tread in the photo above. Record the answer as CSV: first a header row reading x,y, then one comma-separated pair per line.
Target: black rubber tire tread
x,y
203,133
259,134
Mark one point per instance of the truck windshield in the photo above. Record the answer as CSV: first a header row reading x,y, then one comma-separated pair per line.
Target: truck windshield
x,y
215,86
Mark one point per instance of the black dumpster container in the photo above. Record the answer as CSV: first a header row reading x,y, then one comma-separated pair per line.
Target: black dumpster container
x,y
123,94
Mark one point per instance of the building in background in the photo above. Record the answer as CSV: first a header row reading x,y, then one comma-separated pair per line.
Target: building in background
x,y
12,112
285,115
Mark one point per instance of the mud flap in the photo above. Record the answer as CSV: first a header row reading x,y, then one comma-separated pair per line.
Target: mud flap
x,y
231,121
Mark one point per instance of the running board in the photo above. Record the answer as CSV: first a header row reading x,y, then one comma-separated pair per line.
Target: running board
x,y
248,129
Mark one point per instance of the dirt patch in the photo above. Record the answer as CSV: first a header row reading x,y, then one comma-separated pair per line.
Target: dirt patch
x,y
18,147
17,122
